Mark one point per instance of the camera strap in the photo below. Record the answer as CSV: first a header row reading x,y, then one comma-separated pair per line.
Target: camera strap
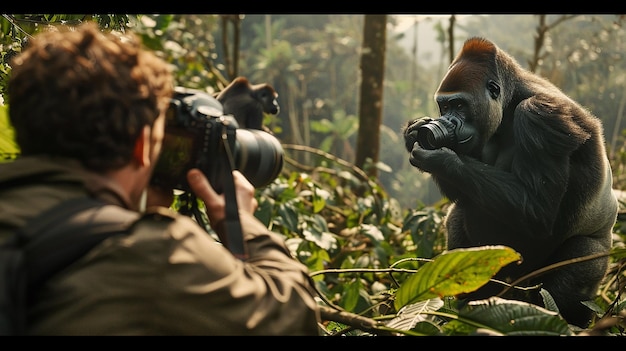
x,y
232,225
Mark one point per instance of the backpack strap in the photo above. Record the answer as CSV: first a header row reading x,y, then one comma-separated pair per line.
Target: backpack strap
x,y
50,242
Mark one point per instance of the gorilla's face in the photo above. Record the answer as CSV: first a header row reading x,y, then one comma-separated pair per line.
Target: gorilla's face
x,y
268,98
468,94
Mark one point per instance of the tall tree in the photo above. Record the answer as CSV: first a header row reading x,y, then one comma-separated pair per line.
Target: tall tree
x,y
231,56
371,95
451,49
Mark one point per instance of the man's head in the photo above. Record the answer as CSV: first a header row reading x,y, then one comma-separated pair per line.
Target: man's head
x,y
87,95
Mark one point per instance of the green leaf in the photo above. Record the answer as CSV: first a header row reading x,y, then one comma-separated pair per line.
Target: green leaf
x,y
548,300
318,203
424,227
264,211
454,272
373,232
8,146
410,315
351,295
510,317
288,217
317,262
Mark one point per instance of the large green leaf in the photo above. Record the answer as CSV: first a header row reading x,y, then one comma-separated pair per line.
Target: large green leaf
x,y
455,272
510,317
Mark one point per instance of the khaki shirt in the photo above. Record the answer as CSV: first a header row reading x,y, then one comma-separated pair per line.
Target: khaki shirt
x,y
167,277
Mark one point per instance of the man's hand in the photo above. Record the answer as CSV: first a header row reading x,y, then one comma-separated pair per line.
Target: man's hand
x,y
215,203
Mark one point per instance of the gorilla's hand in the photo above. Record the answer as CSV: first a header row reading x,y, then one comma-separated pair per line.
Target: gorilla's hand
x,y
410,131
431,160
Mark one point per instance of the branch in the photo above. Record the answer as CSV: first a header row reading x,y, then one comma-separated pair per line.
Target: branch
x,y
554,266
331,157
353,320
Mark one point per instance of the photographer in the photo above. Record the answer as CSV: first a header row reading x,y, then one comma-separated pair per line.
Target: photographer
x,y
88,109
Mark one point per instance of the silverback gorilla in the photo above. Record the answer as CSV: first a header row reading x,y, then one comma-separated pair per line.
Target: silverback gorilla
x,y
523,166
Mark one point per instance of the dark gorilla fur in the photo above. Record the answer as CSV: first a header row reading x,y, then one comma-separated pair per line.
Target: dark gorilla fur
x,y
247,102
536,178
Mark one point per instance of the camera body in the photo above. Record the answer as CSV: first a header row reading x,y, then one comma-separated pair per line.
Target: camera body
x,y
446,131
199,135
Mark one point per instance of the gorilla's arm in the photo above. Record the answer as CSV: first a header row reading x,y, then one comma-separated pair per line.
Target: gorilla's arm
x,y
527,196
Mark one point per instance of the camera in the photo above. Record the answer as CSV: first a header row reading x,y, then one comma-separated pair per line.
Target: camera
x,y
199,135
448,131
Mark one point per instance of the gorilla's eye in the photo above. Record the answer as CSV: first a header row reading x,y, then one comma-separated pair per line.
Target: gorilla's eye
x,y
494,89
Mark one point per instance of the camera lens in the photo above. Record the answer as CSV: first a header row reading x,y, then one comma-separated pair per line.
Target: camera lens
x,y
432,135
259,156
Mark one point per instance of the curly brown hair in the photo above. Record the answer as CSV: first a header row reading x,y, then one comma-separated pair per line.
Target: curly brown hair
x,y
86,94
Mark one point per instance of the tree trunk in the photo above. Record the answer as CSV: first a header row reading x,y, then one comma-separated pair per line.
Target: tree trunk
x,y
371,98
231,59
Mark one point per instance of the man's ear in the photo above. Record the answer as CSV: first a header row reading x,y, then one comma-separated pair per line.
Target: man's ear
x,y
142,147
